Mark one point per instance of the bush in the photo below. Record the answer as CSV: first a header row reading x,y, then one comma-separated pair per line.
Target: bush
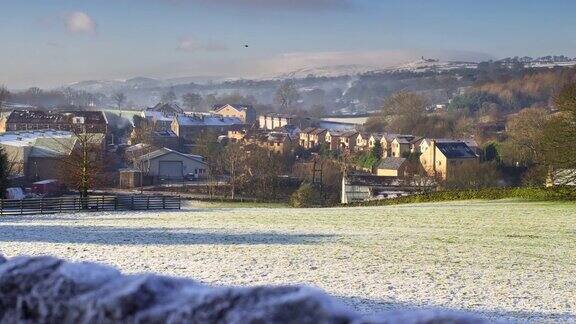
x,y
306,196
527,193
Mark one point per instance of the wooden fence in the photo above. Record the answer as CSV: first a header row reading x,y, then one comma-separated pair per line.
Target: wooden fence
x,y
89,204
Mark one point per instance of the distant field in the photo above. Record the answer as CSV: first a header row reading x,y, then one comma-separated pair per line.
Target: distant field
x,y
504,259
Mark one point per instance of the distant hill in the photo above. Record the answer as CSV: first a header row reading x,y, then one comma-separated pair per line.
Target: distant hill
x,y
341,88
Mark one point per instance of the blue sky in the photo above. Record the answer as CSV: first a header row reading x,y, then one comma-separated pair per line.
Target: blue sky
x,y
54,42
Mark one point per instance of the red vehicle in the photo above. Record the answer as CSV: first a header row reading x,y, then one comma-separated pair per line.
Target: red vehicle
x,y
47,188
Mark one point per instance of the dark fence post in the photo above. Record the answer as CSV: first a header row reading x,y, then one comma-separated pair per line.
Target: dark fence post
x,y
21,206
132,203
148,203
116,203
163,202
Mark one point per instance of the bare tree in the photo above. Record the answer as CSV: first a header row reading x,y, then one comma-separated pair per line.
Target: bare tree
x,y
234,161
169,96
192,101
119,98
525,132
4,94
406,111
83,166
142,131
287,95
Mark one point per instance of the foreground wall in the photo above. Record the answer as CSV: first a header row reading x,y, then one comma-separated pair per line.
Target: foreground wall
x,y
50,290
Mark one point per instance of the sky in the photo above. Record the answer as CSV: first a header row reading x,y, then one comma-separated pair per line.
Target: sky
x,y
50,43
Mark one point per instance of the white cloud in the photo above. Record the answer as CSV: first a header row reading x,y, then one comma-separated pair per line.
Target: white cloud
x,y
191,44
79,22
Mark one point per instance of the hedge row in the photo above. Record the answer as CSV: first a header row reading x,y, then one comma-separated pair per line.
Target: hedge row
x,y
527,193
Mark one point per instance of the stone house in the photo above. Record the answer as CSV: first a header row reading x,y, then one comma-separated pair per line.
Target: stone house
x,y
246,113
442,159
189,127
77,121
341,140
362,141
312,137
272,121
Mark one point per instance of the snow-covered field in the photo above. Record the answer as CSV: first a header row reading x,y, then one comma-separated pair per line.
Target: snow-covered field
x,y
504,259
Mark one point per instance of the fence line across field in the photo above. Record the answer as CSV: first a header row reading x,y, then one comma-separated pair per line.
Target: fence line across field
x,y
88,204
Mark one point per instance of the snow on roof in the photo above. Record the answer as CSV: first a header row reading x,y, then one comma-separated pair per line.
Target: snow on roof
x,y
237,107
157,115
27,138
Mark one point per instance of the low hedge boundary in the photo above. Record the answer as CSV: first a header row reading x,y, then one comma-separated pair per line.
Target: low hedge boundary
x,y
526,193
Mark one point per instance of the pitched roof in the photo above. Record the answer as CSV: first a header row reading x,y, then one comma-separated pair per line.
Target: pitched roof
x,y
402,140
206,120
161,107
318,131
349,134
56,117
217,108
377,136
455,150
27,138
391,163
308,130
164,151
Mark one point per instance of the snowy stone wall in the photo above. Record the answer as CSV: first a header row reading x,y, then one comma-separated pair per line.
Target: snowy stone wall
x,y
49,290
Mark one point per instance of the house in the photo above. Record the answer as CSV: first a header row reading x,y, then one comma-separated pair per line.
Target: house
x,y
37,155
272,121
162,115
276,142
348,140
415,144
246,113
362,141
168,165
392,167
170,109
400,147
312,137
78,121
190,126
443,159
333,139
374,138
386,142
425,143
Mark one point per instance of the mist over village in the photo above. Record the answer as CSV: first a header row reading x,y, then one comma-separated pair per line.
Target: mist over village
x,y
320,161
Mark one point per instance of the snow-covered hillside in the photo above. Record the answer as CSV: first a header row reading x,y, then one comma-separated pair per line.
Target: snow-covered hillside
x,y
500,259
